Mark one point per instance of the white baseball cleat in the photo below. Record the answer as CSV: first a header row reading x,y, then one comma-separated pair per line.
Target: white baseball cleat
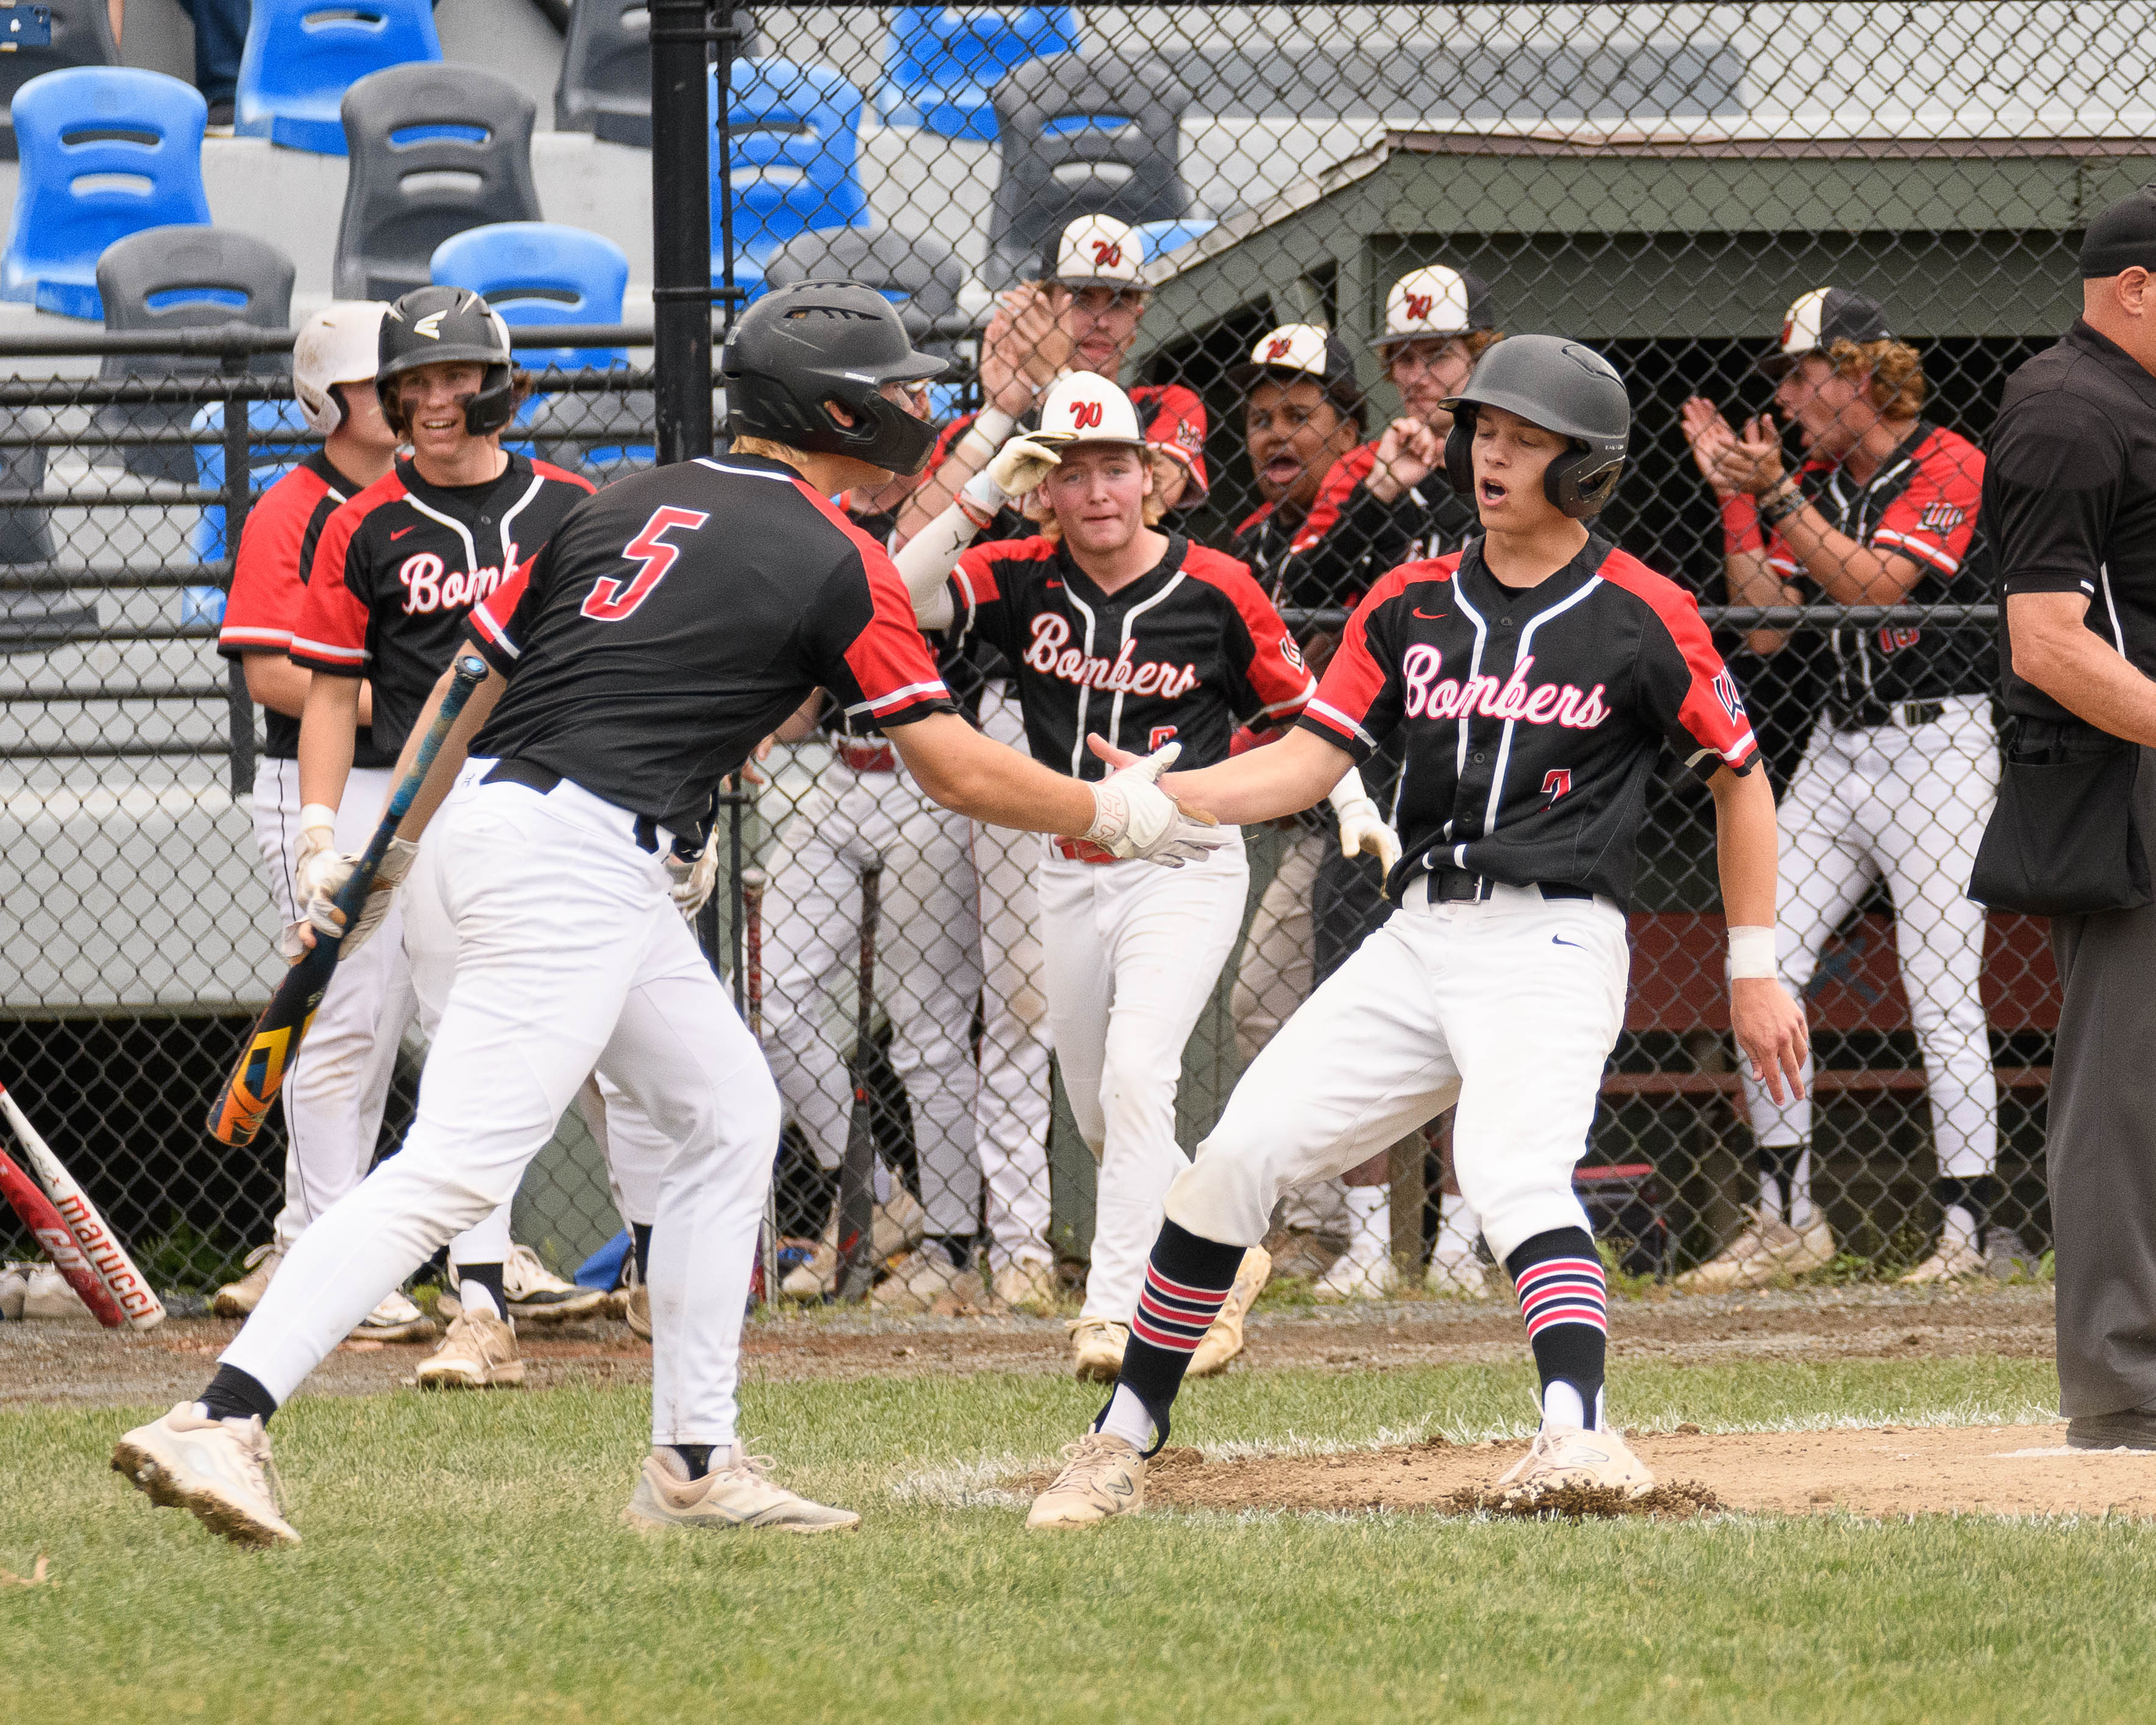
x,y
14,1288
900,1225
480,1352
396,1319
238,1299
1223,1339
1767,1250
1096,1348
1954,1260
536,1293
1027,1285
219,1470
1103,1475
927,1281
1352,1278
1457,1273
46,1293
1566,1456
734,1494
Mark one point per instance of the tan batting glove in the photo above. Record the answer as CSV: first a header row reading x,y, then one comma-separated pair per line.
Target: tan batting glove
x,y
389,874
1362,829
692,880
1015,470
1133,817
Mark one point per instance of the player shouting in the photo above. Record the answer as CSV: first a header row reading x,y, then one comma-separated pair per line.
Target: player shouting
x,y
1110,624
398,570
334,1094
1536,677
671,624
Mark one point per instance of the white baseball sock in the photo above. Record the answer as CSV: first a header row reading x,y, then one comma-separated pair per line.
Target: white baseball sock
x,y
1369,1226
1458,1227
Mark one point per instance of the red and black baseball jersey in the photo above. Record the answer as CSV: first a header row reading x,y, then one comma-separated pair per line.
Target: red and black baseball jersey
x,y
1350,536
676,618
401,565
1532,717
270,588
1177,655
1922,504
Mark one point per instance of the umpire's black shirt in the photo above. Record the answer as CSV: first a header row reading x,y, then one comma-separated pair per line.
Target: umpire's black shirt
x,y
2070,498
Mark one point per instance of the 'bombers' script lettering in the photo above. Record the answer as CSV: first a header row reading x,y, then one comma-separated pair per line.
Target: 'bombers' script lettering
x,y
1052,655
1429,696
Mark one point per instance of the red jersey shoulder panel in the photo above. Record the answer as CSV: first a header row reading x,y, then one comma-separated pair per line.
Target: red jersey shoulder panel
x,y
890,659
1934,518
269,587
547,470
1339,484
331,635
1276,669
1712,710
1358,674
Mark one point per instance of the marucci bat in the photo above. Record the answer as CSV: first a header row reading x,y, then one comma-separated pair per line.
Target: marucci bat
x,y
128,1288
29,1201
241,1107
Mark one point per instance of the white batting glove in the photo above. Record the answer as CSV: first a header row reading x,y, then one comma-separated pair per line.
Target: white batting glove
x,y
693,881
1133,817
332,869
1362,829
1017,468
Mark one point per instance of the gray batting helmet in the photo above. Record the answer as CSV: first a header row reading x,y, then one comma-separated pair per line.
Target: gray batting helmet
x,y
1563,387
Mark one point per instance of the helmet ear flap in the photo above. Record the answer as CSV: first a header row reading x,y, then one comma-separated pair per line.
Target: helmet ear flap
x,y
1460,451
1581,482
390,394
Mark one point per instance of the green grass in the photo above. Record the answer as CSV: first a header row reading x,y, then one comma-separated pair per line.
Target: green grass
x,y
463,1561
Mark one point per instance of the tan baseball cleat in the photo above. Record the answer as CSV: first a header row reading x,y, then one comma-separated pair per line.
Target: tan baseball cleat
x,y
899,1226
636,1312
1767,1250
1028,1285
480,1352
1096,1348
1103,1476
1954,1260
396,1319
928,1281
735,1493
238,1299
1223,1339
1566,1456
218,1470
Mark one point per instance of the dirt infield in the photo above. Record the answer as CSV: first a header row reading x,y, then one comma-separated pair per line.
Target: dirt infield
x,y
1883,1471
76,1363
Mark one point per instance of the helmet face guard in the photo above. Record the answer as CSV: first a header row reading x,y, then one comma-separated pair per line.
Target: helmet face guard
x,y
445,325
1564,387
801,347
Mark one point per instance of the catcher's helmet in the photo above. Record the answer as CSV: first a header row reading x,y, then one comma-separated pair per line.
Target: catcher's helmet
x,y
1563,387
432,324
815,342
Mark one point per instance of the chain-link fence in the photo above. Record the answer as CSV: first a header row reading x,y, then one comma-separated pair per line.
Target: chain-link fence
x,y
1669,183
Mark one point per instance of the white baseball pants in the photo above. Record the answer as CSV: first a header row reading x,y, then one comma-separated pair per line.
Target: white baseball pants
x,y
1132,952
1012,1116
568,955
1907,805
928,971
1511,1006
339,1085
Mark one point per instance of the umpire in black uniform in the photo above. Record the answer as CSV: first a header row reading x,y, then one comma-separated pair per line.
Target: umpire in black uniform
x,y
2070,504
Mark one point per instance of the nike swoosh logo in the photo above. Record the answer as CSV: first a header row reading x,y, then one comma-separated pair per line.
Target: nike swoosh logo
x,y
1428,617
402,531
1558,940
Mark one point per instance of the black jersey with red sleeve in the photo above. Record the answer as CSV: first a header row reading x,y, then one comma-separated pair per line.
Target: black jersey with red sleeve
x,y
1178,655
270,588
1922,504
1350,536
401,566
1532,717
674,619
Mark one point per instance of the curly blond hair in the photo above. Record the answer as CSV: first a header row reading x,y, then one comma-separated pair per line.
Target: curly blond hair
x,y
1480,342
1897,385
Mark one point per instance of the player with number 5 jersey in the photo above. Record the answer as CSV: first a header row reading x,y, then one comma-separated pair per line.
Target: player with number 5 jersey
x,y
1534,680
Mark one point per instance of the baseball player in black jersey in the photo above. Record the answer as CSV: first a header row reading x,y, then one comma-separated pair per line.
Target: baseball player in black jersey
x,y
396,572
1902,769
669,625
1110,624
1536,677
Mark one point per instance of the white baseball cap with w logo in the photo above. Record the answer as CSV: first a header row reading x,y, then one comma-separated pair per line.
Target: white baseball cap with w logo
x,y
1083,408
1434,303
1095,251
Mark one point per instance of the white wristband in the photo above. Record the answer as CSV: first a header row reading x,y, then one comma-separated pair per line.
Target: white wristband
x,y
991,426
1751,952
317,814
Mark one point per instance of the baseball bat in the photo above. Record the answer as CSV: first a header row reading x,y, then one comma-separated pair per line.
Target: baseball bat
x,y
129,1289
857,1168
264,1064
27,1198
763,1287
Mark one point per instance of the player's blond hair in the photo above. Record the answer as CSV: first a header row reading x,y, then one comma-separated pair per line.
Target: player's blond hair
x,y
772,451
1151,511
1897,386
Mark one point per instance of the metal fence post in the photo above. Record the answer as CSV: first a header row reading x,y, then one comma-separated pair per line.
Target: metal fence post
x,y
237,482
681,227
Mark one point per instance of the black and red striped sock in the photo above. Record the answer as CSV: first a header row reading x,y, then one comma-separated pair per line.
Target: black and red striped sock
x,y
1564,1298
1188,1280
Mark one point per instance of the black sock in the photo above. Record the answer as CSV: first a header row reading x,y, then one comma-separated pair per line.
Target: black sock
x,y
234,1394
487,1276
696,1456
1187,1282
1564,1299
958,1248
639,1236
1976,1194
1778,1163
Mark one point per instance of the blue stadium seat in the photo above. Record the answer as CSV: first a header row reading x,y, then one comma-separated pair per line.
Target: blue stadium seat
x,y
275,457
541,272
941,62
82,36
796,161
302,55
107,151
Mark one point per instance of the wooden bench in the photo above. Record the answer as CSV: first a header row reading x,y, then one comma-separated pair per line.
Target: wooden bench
x,y
1677,985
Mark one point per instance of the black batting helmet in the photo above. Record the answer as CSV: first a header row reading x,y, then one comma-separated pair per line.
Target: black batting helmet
x,y
430,326
1563,387
816,342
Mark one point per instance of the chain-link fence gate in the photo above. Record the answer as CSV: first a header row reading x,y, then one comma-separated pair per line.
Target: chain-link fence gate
x,y
1668,183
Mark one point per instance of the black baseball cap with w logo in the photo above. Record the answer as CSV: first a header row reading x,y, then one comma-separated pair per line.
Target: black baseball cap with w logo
x,y
1821,318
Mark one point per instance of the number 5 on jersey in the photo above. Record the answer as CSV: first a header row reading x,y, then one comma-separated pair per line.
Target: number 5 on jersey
x,y
609,600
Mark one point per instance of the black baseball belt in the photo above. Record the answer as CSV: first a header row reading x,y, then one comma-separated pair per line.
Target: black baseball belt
x,y
542,779
1449,886
1868,714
